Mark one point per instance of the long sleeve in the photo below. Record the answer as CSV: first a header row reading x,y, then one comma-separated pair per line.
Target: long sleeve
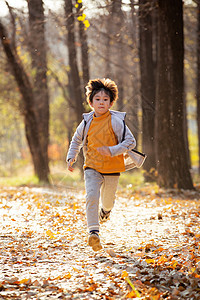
x,y
76,142
127,144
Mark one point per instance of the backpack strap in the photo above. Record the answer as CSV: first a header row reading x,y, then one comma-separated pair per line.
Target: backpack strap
x,y
84,129
124,132
133,150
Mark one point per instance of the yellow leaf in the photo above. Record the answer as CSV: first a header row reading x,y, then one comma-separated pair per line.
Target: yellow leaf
x,y
162,260
133,287
87,23
132,294
80,18
92,288
25,281
124,274
193,269
150,261
67,276
174,263
75,206
50,234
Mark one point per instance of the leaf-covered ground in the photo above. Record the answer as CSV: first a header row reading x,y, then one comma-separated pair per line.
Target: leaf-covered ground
x,y
151,246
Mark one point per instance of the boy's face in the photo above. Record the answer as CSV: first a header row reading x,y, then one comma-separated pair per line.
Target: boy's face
x,y
100,103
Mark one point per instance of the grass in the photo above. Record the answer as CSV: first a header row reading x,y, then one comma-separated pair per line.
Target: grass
x,y
73,180
131,178
67,179
19,180
60,177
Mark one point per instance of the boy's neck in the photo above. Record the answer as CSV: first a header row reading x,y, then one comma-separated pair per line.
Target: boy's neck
x,y
100,115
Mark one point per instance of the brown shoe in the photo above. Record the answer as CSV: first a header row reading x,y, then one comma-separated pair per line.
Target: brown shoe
x,y
104,215
94,241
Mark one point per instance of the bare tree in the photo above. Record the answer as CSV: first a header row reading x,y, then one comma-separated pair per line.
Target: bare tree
x,y
84,47
117,27
136,72
38,50
173,165
34,94
74,80
29,112
147,70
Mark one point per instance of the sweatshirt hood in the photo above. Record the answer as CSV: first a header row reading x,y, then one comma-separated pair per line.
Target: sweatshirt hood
x,y
119,114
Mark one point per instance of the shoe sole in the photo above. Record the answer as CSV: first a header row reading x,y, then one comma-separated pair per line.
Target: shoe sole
x,y
94,242
104,219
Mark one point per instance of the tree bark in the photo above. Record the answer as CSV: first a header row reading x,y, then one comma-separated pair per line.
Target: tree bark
x,y
147,70
38,52
108,70
117,26
84,48
74,73
173,165
198,78
136,73
74,77
30,117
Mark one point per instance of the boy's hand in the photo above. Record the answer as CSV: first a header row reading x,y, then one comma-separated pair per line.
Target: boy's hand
x,y
69,165
104,150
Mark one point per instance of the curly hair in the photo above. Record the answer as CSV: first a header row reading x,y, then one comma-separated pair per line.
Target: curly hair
x,y
96,85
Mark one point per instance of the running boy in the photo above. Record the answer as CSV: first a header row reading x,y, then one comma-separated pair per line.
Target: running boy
x,y
101,134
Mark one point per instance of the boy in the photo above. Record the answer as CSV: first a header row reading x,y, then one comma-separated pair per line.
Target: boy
x,y
104,141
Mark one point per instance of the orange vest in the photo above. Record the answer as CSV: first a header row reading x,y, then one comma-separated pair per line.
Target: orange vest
x,y
101,134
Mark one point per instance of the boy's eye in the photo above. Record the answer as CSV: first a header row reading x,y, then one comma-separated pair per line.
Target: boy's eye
x,y
98,99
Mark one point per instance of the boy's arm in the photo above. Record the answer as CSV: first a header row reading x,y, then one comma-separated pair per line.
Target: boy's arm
x,y
76,143
127,144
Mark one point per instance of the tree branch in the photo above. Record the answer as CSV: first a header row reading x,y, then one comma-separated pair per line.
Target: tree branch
x,y
63,89
17,68
12,15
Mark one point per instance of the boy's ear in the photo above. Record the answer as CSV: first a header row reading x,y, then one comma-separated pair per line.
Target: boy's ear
x,y
111,104
90,103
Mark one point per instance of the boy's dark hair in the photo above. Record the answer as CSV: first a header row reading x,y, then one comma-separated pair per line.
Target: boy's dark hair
x,y
96,85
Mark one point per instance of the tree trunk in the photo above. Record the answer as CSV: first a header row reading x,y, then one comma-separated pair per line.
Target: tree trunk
x,y
198,77
117,31
39,64
31,124
147,70
74,78
136,73
74,74
108,70
173,165
84,48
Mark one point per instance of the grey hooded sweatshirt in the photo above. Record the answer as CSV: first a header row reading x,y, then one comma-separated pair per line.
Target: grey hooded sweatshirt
x,y
125,143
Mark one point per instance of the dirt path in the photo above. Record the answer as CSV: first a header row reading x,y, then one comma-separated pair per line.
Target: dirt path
x,y
151,246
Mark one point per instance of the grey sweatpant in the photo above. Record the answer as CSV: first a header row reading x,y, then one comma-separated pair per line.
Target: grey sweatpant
x,y
98,186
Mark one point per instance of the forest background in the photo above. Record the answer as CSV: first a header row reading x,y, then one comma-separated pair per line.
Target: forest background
x,y
47,56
